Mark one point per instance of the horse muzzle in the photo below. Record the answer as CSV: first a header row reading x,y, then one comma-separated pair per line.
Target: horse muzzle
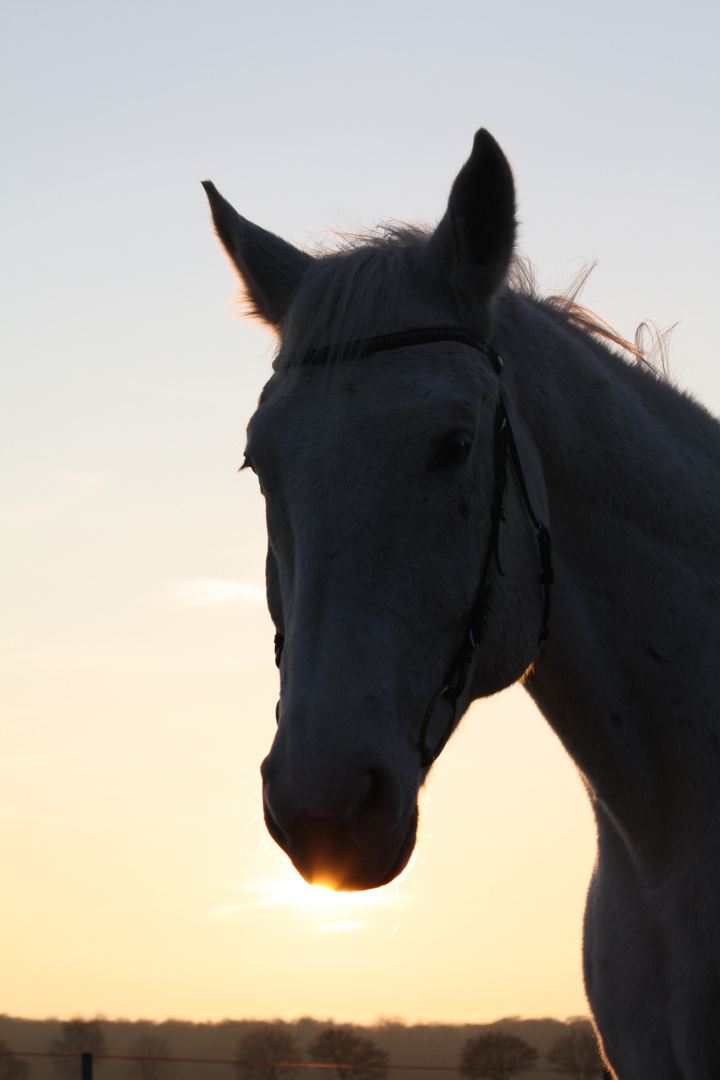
x,y
349,833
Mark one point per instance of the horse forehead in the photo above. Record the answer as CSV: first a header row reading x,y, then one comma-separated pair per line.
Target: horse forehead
x,y
376,391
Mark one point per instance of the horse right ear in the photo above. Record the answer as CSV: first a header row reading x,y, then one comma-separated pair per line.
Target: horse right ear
x,y
270,268
473,244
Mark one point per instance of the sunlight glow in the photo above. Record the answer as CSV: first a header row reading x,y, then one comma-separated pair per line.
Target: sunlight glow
x,y
292,891
213,591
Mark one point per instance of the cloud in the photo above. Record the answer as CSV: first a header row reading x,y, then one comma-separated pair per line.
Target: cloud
x,y
25,762
213,591
69,487
340,927
129,655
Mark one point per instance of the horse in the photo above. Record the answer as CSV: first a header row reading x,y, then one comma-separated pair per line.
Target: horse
x,y
465,487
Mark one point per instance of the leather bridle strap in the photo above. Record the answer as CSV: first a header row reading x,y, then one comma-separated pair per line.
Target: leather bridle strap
x,y
456,675
351,350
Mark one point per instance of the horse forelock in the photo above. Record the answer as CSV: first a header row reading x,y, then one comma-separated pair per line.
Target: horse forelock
x,y
372,285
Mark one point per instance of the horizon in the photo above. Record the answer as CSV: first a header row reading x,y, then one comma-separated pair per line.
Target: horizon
x,y
380,1021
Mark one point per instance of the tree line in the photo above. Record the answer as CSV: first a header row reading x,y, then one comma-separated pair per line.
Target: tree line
x,y
267,1051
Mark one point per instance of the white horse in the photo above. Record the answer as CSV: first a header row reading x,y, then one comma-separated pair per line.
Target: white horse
x,y
426,429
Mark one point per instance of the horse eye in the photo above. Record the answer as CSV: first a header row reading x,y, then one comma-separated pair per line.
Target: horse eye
x,y
451,452
247,464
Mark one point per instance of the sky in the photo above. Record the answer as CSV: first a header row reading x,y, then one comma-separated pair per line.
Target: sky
x,y
138,684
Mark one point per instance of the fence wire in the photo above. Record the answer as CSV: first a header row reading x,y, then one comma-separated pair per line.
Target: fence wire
x,y
241,1063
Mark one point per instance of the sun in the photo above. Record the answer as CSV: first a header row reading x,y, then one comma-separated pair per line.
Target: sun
x,y
292,891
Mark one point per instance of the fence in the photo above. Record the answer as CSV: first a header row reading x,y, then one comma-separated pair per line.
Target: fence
x,y
86,1063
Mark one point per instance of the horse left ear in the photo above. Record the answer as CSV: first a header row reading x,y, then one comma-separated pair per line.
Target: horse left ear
x,y
474,242
269,267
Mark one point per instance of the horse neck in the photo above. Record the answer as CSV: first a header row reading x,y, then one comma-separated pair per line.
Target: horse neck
x,y
632,472
617,443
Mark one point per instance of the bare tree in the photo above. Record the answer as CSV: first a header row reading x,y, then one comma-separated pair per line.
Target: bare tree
x,y
495,1056
577,1053
341,1046
78,1037
263,1053
11,1066
147,1047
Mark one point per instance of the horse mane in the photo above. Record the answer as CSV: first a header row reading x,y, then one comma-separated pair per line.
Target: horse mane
x,y
650,345
369,271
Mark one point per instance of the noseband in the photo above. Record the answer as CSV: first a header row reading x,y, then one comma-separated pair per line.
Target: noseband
x,y
505,448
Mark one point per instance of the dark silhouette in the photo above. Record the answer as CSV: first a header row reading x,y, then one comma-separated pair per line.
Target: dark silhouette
x,y
147,1047
78,1037
12,1067
577,1053
265,1051
342,1046
495,1056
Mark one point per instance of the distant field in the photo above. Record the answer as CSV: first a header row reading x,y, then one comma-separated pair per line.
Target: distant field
x,y
418,1044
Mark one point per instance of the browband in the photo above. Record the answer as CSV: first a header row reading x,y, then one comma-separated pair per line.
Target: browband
x,y
400,340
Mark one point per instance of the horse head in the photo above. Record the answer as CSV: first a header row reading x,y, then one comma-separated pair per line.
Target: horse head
x,y
376,450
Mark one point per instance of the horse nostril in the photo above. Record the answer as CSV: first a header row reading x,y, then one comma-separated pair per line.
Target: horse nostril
x,y
379,811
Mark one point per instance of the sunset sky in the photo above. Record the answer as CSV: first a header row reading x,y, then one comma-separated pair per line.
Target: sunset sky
x,y
138,684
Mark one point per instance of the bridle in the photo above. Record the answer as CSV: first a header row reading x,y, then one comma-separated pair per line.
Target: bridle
x,y
505,448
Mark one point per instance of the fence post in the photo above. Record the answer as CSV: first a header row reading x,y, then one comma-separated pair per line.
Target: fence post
x,y
86,1067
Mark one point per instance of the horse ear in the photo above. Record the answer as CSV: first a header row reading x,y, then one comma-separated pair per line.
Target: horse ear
x,y
473,244
270,268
